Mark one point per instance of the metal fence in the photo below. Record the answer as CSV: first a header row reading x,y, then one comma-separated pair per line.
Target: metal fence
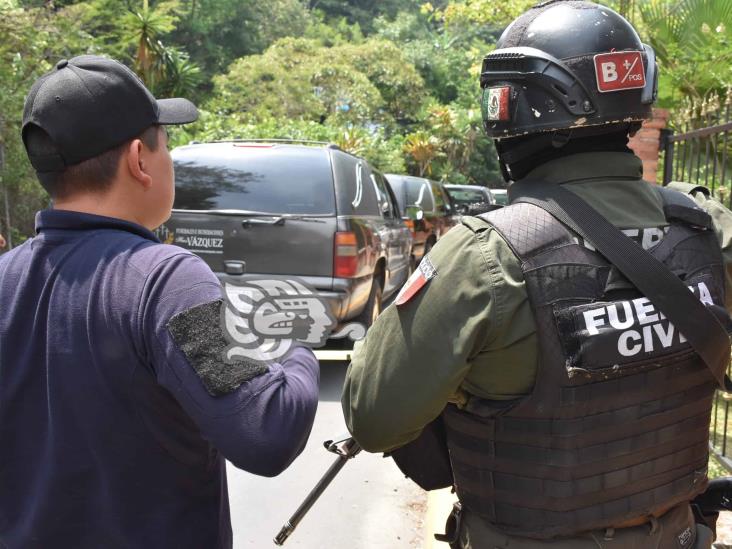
x,y
700,153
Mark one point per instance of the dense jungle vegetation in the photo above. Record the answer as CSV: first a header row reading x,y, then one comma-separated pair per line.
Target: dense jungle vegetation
x,y
395,81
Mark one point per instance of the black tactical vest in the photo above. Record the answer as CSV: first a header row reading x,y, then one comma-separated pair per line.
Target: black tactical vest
x,y
617,425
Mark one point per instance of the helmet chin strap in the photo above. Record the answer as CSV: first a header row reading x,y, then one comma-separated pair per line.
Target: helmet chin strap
x,y
519,155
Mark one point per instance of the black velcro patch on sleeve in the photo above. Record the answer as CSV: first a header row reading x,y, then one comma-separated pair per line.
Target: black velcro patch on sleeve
x,y
198,333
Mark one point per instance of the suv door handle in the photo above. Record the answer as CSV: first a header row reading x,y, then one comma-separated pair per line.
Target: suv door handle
x,y
246,223
235,267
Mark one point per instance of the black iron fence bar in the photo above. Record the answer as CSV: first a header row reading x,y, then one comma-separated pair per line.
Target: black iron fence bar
x,y
668,162
703,132
715,151
682,164
724,149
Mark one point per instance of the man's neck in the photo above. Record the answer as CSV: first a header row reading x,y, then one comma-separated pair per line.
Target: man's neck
x,y
98,205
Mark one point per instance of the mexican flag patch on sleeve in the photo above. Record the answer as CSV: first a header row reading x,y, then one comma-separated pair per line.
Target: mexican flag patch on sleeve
x,y
420,277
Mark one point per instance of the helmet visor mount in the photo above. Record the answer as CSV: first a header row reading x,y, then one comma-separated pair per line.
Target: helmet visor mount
x,y
536,92
537,68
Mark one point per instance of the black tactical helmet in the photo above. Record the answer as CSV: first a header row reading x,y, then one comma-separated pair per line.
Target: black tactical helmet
x,y
566,64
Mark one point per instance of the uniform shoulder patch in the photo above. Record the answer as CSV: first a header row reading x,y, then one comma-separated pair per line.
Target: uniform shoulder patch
x,y
424,272
199,335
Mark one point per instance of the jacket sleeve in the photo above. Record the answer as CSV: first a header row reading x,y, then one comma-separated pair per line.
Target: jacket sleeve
x,y
415,356
257,414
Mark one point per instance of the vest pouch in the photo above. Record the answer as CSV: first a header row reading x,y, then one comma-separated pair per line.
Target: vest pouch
x,y
425,460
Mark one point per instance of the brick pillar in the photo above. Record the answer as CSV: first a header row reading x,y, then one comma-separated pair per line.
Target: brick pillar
x,y
646,143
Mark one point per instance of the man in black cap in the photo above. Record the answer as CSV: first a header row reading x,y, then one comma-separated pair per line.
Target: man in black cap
x,y
117,407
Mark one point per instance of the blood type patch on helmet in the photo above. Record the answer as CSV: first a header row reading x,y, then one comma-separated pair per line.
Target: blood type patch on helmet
x,y
495,103
622,70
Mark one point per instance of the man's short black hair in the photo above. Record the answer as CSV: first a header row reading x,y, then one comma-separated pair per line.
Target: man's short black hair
x,y
93,175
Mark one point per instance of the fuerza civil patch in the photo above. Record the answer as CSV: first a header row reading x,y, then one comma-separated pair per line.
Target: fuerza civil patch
x,y
601,335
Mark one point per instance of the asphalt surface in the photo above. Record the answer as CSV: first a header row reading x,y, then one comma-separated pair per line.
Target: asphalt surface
x,y
370,505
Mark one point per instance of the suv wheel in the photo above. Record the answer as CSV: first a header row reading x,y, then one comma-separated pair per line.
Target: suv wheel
x,y
373,306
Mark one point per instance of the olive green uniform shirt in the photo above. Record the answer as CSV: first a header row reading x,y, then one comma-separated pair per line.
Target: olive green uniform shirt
x,y
470,330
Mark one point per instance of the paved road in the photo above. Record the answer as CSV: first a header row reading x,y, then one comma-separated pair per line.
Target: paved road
x,y
370,505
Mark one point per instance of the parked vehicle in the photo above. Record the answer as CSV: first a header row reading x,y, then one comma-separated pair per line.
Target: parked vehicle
x,y
500,196
438,214
256,209
471,199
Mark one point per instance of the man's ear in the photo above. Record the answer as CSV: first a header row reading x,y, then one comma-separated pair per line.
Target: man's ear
x,y
136,163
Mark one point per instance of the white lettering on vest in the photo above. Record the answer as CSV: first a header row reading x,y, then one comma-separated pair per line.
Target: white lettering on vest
x,y
643,306
636,313
623,347
592,320
613,316
648,339
666,337
705,295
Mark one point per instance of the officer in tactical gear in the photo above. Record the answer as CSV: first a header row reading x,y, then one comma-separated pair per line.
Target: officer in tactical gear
x,y
575,412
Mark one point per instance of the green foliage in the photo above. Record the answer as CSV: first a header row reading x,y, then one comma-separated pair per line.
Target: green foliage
x,y
334,33
395,81
442,55
216,32
384,152
166,70
33,40
693,42
483,12
362,12
452,147
301,79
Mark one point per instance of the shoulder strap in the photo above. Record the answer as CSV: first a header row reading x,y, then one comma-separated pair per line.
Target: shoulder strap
x,y
704,332
680,207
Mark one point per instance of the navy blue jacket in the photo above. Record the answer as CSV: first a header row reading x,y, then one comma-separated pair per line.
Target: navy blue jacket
x,y
108,437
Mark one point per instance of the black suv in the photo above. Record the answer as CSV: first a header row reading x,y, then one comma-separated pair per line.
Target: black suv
x,y
252,209
436,213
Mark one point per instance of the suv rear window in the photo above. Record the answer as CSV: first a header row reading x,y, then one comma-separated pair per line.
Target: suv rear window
x,y
467,196
291,180
412,191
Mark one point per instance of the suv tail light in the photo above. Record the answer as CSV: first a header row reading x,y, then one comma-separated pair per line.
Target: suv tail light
x,y
345,259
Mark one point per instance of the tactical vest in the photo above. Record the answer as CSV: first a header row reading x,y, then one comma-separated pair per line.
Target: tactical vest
x,y
617,425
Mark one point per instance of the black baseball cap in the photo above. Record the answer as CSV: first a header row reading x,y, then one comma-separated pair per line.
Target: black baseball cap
x,y
91,104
